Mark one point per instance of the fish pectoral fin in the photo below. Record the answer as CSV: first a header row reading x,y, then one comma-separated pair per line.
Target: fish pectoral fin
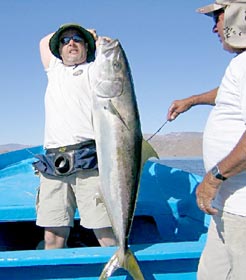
x,y
129,263
114,111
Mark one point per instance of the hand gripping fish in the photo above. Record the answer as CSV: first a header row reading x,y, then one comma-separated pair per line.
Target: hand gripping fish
x,y
118,141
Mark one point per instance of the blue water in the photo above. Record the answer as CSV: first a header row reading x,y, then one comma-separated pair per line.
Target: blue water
x,y
194,165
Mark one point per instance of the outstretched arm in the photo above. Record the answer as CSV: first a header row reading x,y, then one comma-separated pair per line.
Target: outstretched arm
x,y
180,106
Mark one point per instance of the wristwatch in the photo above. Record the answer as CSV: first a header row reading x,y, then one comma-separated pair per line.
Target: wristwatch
x,y
216,173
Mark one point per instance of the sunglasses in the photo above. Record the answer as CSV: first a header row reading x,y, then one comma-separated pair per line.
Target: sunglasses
x,y
75,38
216,16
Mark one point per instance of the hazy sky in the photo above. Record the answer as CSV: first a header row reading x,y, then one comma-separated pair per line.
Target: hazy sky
x,y
171,50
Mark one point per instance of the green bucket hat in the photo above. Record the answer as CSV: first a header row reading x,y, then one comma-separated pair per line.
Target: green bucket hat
x,y
87,36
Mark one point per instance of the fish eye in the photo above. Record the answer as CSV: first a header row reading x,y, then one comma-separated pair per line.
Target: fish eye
x,y
117,66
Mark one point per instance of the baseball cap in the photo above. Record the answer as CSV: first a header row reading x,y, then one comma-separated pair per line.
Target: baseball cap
x,y
210,9
234,20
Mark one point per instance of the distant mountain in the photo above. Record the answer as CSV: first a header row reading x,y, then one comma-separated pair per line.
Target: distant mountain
x,y
12,147
176,144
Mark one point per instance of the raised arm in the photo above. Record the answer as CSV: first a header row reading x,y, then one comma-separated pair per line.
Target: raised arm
x,y
180,106
45,52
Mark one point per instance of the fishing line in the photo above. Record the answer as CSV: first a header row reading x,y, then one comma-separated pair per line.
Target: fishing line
x,y
157,131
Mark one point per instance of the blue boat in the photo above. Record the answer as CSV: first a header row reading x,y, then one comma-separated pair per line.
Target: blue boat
x,y
167,236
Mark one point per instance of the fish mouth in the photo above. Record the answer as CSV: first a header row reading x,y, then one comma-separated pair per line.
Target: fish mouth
x,y
110,44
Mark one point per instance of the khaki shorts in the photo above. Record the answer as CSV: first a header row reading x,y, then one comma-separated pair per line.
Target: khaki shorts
x,y
58,198
224,255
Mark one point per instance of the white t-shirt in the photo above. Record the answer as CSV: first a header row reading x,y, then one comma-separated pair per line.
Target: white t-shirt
x,y
68,105
224,127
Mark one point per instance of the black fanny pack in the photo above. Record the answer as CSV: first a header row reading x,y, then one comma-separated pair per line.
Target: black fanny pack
x,y
66,160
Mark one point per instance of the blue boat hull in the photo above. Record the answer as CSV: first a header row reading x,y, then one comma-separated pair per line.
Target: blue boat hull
x,y
157,261
167,236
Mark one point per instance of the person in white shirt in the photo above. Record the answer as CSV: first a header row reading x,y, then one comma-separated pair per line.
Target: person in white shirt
x,y
68,172
222,193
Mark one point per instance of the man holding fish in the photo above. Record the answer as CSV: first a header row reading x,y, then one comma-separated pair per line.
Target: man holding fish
x,y
91,123
68,171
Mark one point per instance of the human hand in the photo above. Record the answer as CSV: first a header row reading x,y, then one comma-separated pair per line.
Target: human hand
x,y
178,107
103,40
206,192
97,38
93,33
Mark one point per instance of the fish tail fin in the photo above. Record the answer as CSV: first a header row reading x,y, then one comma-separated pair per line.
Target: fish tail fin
x,y
112,265
129,263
